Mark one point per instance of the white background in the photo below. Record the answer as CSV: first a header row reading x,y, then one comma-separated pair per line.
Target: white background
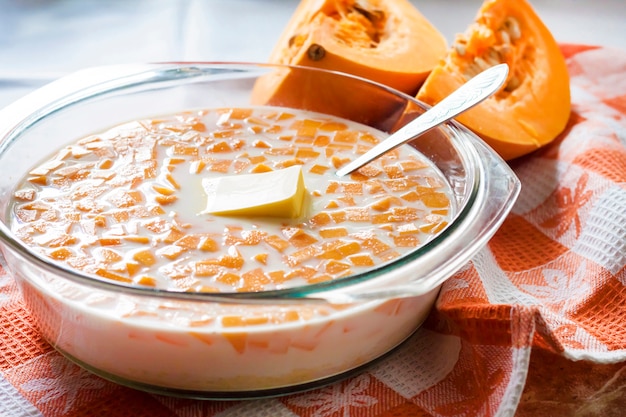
x,y
41,40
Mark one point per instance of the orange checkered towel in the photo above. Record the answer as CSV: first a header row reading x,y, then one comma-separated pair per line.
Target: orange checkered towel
x,y
534,326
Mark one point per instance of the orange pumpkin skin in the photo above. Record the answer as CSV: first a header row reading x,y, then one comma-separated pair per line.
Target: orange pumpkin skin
x,y
533,107
388,41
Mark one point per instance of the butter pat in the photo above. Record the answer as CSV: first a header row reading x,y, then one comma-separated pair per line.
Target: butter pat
x,y
275,193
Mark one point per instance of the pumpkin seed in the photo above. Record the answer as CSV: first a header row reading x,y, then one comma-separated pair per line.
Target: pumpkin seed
x,y
316,52
371,15
512,84
460,48
505,37
503,49
296,40
471,70
493,57
481,63
511,25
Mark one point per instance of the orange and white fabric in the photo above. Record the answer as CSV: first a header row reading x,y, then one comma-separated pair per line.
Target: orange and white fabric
x,y
534,326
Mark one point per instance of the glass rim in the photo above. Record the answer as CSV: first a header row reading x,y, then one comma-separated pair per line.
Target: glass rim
x,y
187,71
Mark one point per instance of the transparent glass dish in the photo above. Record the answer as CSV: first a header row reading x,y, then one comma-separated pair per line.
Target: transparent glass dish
x,y
364,316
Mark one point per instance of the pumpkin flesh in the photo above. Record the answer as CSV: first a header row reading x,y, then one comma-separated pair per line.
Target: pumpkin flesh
x,y
534,106
388,41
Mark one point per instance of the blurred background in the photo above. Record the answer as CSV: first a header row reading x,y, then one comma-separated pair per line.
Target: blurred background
x,y
41,40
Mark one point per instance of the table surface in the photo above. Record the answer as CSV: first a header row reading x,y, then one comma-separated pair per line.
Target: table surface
x,y
41,40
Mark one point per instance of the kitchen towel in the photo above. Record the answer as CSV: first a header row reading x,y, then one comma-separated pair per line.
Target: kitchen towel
x,y
534,325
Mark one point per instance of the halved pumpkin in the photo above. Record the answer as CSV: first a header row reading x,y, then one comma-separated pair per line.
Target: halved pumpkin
x,y
534,105
388,41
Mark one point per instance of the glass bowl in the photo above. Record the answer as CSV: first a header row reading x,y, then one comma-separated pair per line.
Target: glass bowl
x,y
174,346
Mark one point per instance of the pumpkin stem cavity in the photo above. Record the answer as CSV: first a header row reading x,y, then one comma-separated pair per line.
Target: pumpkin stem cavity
x,y
360,24
483,46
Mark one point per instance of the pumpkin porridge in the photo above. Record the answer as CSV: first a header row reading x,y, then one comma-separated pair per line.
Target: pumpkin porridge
x,y
129,205
133,204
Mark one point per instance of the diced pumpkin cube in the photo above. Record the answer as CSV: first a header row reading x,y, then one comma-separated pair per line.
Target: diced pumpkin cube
x,y
208,244
306,153
170,252
361,260
39,180
229,278
254,280
25,194
338,216
321,141
318,169
173,235
352,188
320,219
259,168
333,232
337,161
110,275
109,241
145,257
189,241
357,214
406,241
261,258
132,268
137,239
333,187
61,254
166,200
333,126
435,200
276,242
232,260
146,281
346,136
219,147
337,268
206,268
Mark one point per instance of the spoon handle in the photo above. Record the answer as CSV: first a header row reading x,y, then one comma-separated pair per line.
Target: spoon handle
x,y
465,97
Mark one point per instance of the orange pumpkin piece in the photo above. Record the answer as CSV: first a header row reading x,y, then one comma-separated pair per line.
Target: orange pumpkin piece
x,y
261,258
170,252
145,257
335,267
260,168
146,280
165,200
361,260
230,279
25,195
533,107
254,280
239,321
132,268
318,169
109,241
331,232
388,41
110,275
206,268
276,242
61,254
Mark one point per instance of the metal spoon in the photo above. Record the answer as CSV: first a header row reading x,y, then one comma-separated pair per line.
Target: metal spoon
x,y
465,97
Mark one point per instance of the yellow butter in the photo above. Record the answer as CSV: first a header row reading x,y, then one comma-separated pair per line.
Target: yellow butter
x,y
276,193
